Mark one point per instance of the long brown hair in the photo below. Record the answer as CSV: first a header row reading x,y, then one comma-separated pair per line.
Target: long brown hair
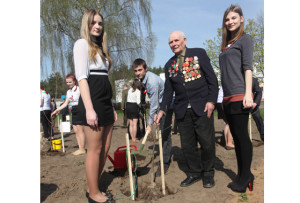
x,y
86,22
226,35
136,84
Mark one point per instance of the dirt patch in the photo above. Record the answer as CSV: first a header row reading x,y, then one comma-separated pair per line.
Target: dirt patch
x,y
63,177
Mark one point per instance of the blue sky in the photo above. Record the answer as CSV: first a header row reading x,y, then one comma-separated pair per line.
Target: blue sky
x,y
198,19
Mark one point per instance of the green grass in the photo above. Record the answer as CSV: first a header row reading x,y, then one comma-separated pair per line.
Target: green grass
x,y
80,163
262,111
243,197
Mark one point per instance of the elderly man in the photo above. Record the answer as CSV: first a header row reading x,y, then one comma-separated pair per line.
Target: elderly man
x,y
190,75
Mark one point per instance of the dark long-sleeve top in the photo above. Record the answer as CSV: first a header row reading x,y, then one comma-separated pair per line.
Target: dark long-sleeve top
x,y
196,92
233,63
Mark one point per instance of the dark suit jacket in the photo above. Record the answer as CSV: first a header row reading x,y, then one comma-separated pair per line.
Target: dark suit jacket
x,y
196,92
257,91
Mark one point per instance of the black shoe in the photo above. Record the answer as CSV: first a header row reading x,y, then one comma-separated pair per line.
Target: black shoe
x,y
208,181
242,188
93,201
107,194
190,180
158,172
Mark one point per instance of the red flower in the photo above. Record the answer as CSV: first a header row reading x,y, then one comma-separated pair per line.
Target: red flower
x,y
176,69
192,74
191,59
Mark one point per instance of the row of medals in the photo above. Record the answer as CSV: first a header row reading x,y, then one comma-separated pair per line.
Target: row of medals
x,y
187,73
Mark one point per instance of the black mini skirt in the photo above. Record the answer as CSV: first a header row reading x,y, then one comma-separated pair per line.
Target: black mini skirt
x,y
132,110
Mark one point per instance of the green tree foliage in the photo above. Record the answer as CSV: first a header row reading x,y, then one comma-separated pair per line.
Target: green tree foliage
x,y
127,23
256,30
55,85
253,27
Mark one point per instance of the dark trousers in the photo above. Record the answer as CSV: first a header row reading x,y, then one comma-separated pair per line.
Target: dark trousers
x,y
238,124
45,117
259,123
143,130
175,127
165,127
124,118
194,129
63,118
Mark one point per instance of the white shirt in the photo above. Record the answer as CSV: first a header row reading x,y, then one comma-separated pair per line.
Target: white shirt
x,y
220,95
134,97
45,96
73,96
83,64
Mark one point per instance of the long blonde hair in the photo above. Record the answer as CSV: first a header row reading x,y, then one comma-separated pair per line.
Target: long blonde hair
x,y
86,22
226,35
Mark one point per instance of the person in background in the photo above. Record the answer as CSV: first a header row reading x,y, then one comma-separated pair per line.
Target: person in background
x,y
257,91
53,108
143,111
53,104
45,113
190,75
64,111
95,109
174,120
132,107
123,105
72,101
227,134
154,87
236,78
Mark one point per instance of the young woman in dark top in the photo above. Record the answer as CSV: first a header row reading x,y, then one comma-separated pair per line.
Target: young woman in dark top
x,y
236,78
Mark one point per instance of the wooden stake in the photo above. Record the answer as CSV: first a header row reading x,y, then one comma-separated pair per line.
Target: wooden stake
x,y
129,165
62,135
161,164
250,128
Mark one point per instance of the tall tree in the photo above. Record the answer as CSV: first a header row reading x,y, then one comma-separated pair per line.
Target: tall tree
x,y
127,23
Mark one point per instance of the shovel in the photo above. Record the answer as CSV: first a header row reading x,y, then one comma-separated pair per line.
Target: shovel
x,y
142,154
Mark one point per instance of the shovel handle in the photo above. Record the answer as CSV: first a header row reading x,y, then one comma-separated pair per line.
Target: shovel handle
x,y
145,137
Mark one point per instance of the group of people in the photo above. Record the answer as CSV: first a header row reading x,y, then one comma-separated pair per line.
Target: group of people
x,y
49,111
190,77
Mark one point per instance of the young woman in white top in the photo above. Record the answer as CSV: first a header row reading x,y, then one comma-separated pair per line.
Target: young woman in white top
x,y
95,109
132,107
72,100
